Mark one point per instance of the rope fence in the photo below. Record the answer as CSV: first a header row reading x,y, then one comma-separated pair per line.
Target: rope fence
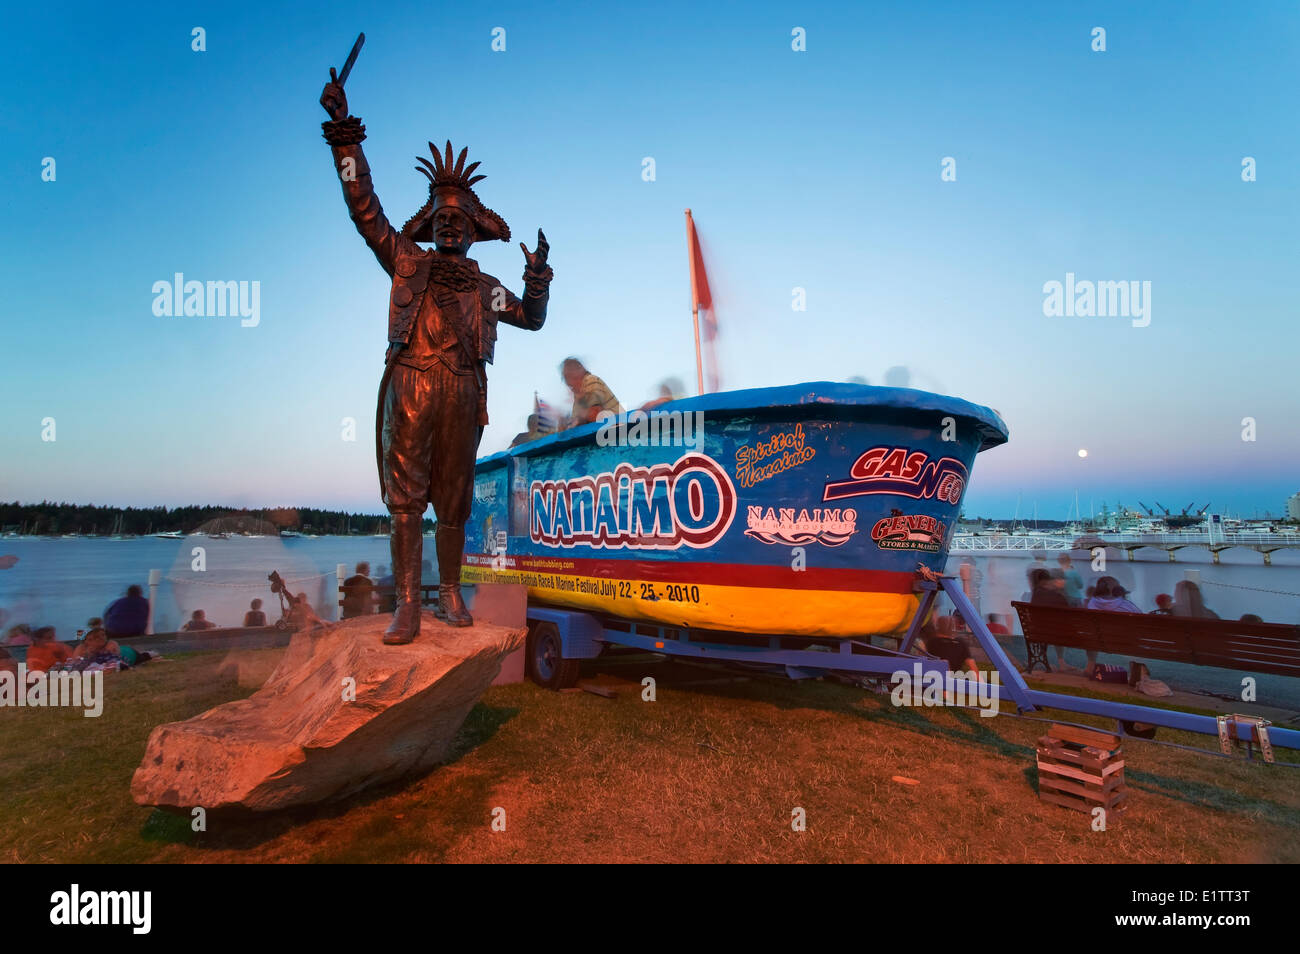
x,y
1256,589
225,601
261,583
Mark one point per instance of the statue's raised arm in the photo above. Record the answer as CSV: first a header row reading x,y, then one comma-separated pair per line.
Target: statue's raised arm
x,y
344,133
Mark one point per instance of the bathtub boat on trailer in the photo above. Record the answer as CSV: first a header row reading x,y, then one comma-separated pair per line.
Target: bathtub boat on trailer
x,y
802,509
775,529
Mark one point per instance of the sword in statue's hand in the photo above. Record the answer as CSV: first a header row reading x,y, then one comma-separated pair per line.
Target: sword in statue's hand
x,y
352,58
333,98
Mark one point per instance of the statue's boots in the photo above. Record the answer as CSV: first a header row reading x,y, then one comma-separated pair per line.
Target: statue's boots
x,y
451,606
406,545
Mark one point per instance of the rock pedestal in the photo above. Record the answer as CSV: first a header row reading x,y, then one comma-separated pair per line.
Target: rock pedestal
x,y
341,712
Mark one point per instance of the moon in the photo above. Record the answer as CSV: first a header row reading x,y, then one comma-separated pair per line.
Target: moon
x,y
1083,452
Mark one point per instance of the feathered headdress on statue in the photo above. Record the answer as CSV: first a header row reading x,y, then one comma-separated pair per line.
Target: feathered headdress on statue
x,y
451,183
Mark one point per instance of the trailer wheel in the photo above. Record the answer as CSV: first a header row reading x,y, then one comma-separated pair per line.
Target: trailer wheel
x,y
546,666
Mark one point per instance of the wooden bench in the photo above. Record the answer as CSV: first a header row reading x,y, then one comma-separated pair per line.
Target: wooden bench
x,y
385,597
1226,644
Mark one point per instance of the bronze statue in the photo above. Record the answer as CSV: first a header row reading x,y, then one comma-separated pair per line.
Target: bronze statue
x,y
442,327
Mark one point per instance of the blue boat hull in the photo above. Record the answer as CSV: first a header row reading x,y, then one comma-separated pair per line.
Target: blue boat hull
x,y
802,510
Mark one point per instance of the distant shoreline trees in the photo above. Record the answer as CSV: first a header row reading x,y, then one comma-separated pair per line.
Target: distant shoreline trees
x,y
55,519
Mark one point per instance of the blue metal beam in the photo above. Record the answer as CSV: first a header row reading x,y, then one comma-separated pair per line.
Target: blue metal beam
x,y
1167,718
1010,675
808,660
927,603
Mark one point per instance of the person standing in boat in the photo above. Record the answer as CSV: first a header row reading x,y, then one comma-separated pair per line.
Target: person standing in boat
x,y
536,429
670,389
591,395
442,328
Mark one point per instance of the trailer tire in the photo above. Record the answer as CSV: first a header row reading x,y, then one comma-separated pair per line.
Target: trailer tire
x,y
546,666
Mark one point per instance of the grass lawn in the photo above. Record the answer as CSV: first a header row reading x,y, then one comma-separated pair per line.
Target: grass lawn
x,y
707,773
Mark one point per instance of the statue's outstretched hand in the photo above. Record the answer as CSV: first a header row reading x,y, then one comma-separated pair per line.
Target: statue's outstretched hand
x,y
536,261
334,99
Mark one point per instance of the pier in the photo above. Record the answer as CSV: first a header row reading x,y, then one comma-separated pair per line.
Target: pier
x,y
1266,544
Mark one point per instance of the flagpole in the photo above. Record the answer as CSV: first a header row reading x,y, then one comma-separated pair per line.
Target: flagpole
x,y
695,301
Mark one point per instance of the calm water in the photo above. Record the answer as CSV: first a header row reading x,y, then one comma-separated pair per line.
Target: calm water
x,y
63,582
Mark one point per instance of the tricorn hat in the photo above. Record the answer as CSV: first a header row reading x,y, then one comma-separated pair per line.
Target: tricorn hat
x,y
450,183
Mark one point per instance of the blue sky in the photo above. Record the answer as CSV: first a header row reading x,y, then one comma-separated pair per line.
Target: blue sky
x,y
816,169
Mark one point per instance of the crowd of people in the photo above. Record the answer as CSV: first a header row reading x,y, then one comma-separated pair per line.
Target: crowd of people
x,y
1064,586
98,645
44,652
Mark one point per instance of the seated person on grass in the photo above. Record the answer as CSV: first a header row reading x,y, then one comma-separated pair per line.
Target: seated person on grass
x,y
302,616
254,617
940,640
95,644
46,652
198,621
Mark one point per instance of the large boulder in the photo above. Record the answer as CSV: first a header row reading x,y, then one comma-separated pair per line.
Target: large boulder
x,y
307,737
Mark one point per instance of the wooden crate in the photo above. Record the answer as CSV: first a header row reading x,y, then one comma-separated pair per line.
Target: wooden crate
x,y
1081,769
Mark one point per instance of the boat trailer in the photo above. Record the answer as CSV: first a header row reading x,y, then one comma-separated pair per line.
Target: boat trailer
x,y
560,637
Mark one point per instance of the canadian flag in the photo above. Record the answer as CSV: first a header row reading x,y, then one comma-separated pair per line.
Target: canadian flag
x,y
547,416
